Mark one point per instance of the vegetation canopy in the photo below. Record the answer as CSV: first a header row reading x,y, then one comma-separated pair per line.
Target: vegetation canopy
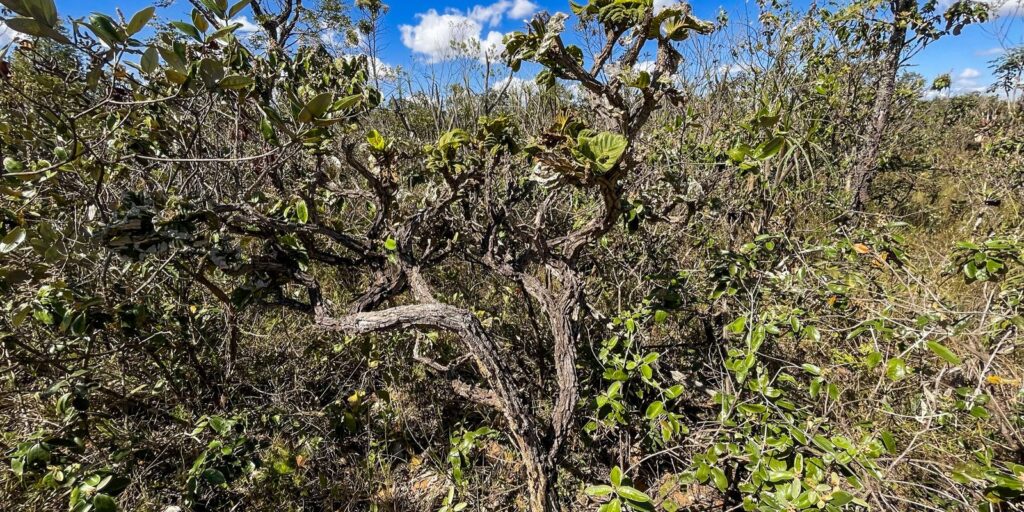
x,y
683,268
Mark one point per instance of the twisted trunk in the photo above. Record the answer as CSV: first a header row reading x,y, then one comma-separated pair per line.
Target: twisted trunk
x,y
541,478
866,162
539,464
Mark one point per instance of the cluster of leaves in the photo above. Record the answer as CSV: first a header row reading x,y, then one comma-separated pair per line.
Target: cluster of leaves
x,y
183,210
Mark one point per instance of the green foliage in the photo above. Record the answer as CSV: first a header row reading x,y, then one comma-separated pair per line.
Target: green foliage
x,y
622,493
988,261
601,150
249,272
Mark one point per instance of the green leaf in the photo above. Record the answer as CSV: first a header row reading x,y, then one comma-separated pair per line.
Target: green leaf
x,y
840,498
43,11
12,165
772,147
140,19
390,244
34,28
219,7
979,412
18,6
896,369
376,140
347,102
660,316
738,153
172,58
235,82
603,149
214,476
615,476
188,29
599,490
316,107
150,59
971,270
37,454
200,21
646,371
113,485
104,27
993,266
267,129
235,9
811,369
737,326
223,31
302,211
751,409
453,138
221,425
12,240
943,352
632,494
211,71
720,480
175,77
889,441
655,409
103,503
812,332
643,79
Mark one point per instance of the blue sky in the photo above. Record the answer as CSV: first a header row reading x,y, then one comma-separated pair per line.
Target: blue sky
x,y
417,33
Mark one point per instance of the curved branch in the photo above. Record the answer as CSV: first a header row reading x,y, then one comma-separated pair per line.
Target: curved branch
x,y
467,327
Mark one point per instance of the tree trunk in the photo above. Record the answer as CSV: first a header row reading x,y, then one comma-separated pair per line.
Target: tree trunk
x,y
541,477
866,162
540,466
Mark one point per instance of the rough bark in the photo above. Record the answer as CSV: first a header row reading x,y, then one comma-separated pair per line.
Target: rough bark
x,y
539,466
562,311
865,166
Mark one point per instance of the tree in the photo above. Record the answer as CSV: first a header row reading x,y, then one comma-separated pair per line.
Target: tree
x,y
297,149
237,274
1008,69
891,35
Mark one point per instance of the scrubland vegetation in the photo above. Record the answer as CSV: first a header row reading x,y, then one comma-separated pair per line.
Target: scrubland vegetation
x,y
691,265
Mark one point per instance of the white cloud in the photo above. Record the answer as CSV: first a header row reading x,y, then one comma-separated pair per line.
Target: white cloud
x,y
493,13
969,73
964,82
453,33
247,26
1006,7
522,9
440,37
